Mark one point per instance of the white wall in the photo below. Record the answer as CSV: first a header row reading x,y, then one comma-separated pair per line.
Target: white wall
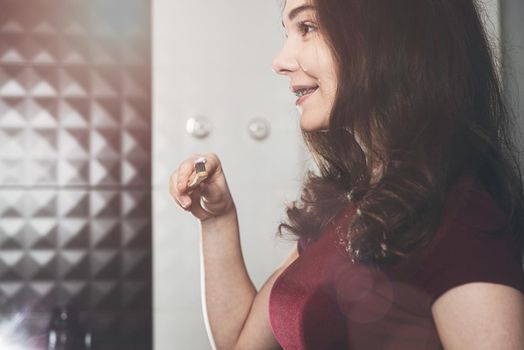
x,y
213,58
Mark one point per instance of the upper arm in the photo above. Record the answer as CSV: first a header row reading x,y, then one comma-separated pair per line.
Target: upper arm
x,y
257,333
480,316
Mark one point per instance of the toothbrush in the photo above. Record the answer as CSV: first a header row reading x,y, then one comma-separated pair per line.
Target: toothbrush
x,y
200,173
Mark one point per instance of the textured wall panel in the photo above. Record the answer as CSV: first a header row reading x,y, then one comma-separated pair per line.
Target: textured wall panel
x,y
75,179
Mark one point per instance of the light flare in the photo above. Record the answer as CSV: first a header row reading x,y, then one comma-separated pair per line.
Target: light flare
x,y
12,336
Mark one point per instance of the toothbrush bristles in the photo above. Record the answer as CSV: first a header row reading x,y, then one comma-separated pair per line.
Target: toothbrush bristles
x,y
200,167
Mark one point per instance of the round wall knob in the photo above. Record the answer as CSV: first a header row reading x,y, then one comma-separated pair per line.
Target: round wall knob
x,y
258,128
199,127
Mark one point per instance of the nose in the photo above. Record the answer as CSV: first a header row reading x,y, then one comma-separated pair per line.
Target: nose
x,y
285,61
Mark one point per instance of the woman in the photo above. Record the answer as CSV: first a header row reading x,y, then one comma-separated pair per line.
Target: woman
x,y
410,234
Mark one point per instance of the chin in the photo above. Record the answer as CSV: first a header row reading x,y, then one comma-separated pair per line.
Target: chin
x,y
312,124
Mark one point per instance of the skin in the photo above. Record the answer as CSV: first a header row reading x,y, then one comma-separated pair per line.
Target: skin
x,y
307,60
472,316
236,314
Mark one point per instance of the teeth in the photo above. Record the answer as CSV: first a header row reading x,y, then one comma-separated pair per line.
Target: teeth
x,y
302,92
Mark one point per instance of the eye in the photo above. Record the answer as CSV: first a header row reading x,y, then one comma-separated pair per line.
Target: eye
x,y
306,27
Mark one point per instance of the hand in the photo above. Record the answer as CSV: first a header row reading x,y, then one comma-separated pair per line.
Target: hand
x,y
211,198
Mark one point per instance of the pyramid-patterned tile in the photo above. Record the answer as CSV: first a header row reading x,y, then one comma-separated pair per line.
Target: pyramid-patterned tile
x,y
135,33
75,16
74,81
43,81
12,112
45,18
136,204
75,26
102,260
13,143
105,113
50,84
33,240
105,204
106,52
45,27
102,24
74,143
73,172
13,260
42,172
133,341
105,143
73,204
43,47
13,81
135,294
104,172
47,293
133,324
4,269
106,82
104,324
136,263
136,233
74,233
76,292
105,234
133,53
136,171
41,203
106,270
136,114
41,265
9,291
26,299
33,16
105,295
136,143
10,24
12,49
41,233
74,51
12,204
74,112
12,233
13,171
42,143
135,84
42,112
74,265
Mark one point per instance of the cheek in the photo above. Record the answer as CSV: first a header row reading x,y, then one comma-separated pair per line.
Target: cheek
x,y
327,74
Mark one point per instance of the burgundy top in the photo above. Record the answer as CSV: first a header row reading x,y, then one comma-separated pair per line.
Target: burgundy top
x,y
323,301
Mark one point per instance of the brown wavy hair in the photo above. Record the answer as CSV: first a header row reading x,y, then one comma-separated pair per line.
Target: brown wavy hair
x,y
419,99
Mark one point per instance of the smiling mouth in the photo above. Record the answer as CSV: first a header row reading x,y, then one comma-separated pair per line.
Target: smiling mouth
x,y
305,91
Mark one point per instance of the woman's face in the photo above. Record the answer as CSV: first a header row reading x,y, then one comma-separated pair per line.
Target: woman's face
x,y
308,62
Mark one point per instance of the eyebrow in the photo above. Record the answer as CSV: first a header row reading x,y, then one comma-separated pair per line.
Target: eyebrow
x,y
297,10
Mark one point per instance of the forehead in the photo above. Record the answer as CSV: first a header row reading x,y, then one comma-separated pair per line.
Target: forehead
x,y
291,5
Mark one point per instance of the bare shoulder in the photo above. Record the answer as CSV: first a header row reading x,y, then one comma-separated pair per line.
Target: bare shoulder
x,y
480,316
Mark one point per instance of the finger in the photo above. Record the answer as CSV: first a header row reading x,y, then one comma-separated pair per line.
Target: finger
x,y
181,199
185,170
